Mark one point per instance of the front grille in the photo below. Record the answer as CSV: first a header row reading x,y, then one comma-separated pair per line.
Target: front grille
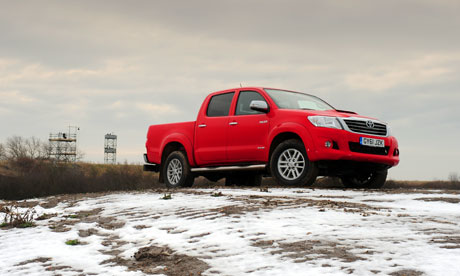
x,y
360,126
357,147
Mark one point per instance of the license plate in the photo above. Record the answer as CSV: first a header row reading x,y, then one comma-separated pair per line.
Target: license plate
x,y
371,142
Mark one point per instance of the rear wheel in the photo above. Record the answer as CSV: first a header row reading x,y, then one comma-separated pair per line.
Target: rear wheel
x,y
372,180
177,171
289,164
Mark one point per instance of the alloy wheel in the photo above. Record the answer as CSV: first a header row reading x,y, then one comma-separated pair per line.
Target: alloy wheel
x,y
174,171
291,164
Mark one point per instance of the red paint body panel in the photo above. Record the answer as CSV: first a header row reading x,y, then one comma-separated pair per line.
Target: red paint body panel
x,y
211,141
159,136
248,138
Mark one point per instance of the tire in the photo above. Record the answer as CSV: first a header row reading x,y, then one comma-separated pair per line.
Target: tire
x,y
289,164
176,171
372,180
244,179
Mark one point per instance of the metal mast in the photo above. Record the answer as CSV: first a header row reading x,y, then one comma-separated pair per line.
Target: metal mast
x,y
110,149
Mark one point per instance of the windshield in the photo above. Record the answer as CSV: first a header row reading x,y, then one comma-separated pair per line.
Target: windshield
x,y
296,100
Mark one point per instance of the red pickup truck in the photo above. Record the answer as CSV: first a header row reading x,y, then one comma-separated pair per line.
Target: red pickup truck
x,y
244,133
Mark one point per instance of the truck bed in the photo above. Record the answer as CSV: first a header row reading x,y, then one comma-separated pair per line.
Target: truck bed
x,y
158,135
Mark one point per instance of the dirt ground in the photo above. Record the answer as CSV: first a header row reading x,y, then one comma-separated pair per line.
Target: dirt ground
x,y
158,258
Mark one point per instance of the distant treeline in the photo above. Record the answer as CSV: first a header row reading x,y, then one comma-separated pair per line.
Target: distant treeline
x,y
17,147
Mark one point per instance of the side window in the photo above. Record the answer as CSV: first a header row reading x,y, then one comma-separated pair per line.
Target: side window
x,y
244,100
219,105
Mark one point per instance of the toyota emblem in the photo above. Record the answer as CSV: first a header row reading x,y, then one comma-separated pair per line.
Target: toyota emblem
x,y
370,124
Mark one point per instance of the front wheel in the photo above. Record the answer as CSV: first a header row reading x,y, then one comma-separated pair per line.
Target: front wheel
x,y
372,180
177,171
289,164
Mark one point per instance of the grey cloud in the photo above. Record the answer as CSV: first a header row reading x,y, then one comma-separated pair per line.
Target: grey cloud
x,y
120,66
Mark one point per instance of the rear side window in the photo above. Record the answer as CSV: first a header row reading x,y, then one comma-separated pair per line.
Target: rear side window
x,y
244,100
219,105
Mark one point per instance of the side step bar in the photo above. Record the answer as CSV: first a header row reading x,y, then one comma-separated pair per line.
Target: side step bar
x,y
152,167
231,168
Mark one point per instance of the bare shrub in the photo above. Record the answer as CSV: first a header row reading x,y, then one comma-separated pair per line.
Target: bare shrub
x,y
16,147
33,147
45,150
15,218
2,152
80,155
36,149
454,177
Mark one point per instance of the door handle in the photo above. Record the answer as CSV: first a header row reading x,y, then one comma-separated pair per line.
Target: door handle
x,y
202,125
233,123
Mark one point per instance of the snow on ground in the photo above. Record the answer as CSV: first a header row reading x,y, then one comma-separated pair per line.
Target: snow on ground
x,y
243,232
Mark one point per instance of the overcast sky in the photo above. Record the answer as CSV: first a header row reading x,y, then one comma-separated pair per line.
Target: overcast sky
x,y
119,66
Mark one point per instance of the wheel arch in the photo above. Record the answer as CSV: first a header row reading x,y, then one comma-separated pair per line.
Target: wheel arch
x,y
175,143
280,138
290,131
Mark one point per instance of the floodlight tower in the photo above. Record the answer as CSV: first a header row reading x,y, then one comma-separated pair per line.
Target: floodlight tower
x,y
110,149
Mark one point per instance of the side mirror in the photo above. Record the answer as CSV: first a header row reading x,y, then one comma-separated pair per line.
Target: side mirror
x,y
261,106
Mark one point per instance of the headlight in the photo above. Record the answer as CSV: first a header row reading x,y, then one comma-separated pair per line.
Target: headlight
x,y
324,121
389,131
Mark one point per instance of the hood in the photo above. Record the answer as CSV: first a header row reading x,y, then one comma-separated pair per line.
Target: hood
x,y
330,113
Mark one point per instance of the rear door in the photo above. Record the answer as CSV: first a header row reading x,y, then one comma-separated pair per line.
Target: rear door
x,y
248,130
211,132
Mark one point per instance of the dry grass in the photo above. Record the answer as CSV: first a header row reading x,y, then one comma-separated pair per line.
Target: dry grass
x,y
13,217
436,185
28,178
5,169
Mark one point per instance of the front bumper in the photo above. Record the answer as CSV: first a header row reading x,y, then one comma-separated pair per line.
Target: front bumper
x,y
345,146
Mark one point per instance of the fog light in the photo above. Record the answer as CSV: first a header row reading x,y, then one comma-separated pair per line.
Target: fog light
x,y
328,144
396,152
335,145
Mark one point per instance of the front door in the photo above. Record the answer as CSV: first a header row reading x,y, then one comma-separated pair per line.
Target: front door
x,y
248,130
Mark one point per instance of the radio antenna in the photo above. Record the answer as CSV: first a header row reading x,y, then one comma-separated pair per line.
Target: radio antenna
x,y
241,85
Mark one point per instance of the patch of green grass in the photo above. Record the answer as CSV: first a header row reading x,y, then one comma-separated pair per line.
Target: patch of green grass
x,y
217,194
22,225
26,225
72,242
73,216
45,216
42,217
166,196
